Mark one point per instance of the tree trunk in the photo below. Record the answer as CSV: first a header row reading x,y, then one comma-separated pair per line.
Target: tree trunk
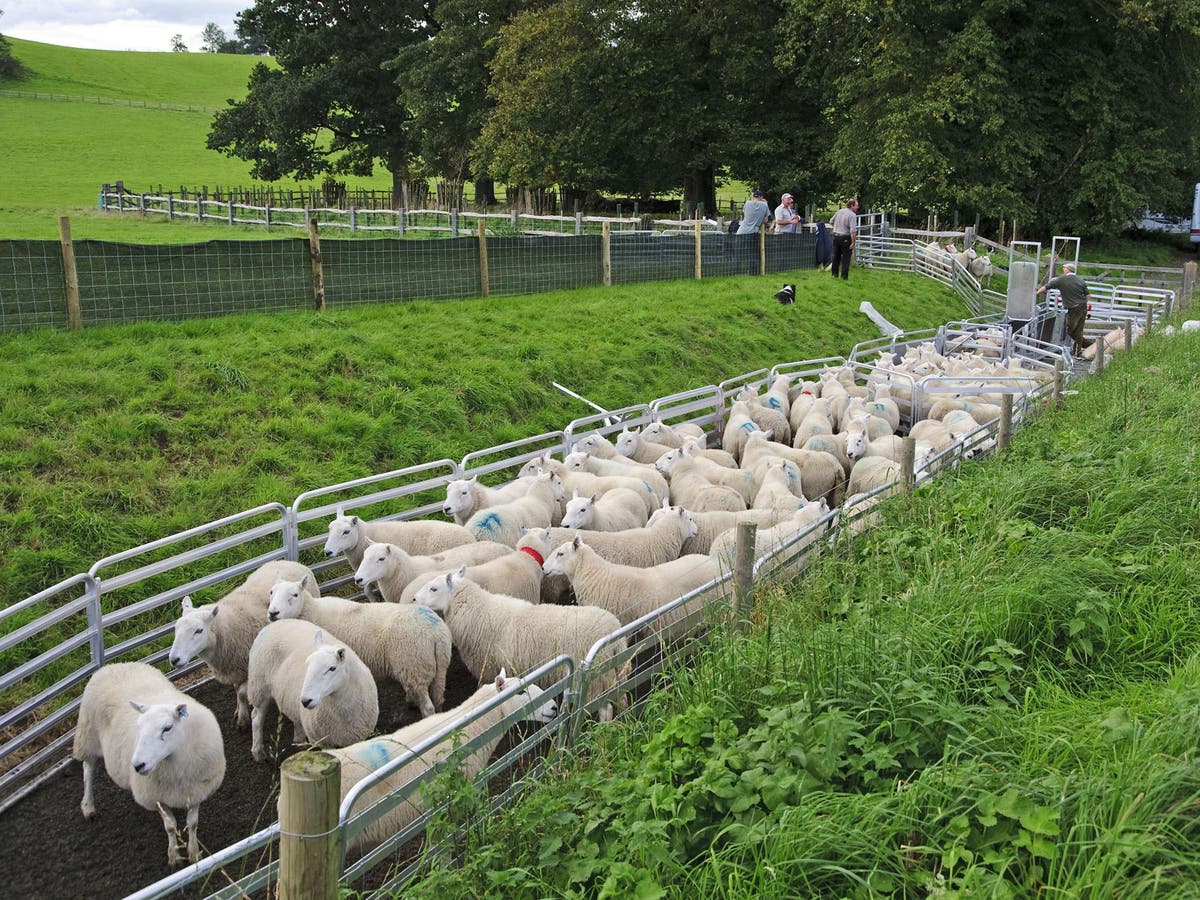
x,y
700,186
485,192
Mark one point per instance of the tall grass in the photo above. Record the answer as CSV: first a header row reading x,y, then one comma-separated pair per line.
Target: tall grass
x,y
994,693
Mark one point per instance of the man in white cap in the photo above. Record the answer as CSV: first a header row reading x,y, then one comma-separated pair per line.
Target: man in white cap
x,y
786,217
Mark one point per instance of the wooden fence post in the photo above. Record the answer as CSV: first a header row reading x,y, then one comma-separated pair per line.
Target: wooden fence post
x,y
908,459
483,260
743,569
1190,273
309,793
762,249
1101,346
1129,334
606,254
699,260
1004,435
71,274
1149,318
1058,383
318,272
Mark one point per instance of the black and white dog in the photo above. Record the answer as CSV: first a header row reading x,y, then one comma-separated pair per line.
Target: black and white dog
x,y
787,295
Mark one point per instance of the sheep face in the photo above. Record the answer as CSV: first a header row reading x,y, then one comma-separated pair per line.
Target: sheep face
x,y
157,734
286,600
627,443
343,535
193,633
460,499
857,438
562,560
576,461
438,593
667,461
589,444
324,673
540,714
580,512
654,431
376,563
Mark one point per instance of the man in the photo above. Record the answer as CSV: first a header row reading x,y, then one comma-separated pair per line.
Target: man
x,y
786,217
1073,292
754,214
844,225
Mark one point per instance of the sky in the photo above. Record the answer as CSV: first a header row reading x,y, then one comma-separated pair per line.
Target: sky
x,y
115,25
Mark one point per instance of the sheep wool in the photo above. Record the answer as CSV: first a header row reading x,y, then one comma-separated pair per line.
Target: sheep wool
x,y
156,742
615,510
350,535
322,687
399,643
503,523
391,568
515,574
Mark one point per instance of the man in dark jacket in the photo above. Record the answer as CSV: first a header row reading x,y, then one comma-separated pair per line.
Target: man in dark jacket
x,y
1075,299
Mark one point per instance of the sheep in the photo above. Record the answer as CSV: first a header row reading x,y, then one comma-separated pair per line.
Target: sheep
x,y
857,407
816,422
398,574
349,535
738,479
614,510
822,475
503,523
884,407
772,539
713,454
778,395
689,487
223,641
323,687
1190,325
1113,340
517,575
775,492
767,418
589,483
981,267
671,436
401,567
396,642
801,407
361,759
156,742
840,446
598,445
661,541
710,525
627,591
578,461
494,632
466,496
631,443
737,425
872,472
981,412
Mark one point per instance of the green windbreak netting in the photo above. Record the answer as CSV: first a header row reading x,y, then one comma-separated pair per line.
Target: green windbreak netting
x,y
133,283
650,256
529,265
33,292
388,271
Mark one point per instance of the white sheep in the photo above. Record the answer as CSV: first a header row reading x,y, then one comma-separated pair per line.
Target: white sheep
x,y
691,489
767,418
841,446
872,472
349,535
775,492
631,443
579,461
737,479
322,687
629,592
710,525
396,642
223,641
775,538
712,454
816,422
821,473
156,742
804,403
494,632
614,510
738,424
536,509
466,496
660,541
981,267
588,483
517,575
672,435
361,759
1190,325
398,574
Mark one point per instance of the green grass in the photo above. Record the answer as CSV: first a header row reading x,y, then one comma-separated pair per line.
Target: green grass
x,y
993,694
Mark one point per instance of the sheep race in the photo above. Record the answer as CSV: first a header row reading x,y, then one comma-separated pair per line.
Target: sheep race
x,y
563,551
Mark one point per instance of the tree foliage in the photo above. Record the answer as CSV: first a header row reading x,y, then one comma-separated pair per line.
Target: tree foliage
x,y
10,66
214,38
177,44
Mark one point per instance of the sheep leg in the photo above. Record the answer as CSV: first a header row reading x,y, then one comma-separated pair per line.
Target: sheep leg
x,y
420,699
193,826
257,718
172,828
88,805
299,735
243,707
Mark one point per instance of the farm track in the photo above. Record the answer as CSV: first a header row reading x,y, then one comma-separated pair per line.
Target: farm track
x,y
48,850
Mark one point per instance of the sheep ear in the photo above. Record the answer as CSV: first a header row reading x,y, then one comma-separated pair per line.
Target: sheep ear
x,y
524,531
181,711
137,706
317,637
450,580
354,520
307,580
500,679
341,653
666,503
574,493
474,479
462,571
278,575
593,498
187,604
577,541
769,433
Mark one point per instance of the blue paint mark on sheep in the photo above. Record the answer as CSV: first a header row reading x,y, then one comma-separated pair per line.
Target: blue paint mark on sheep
x,y
489,523
373,755
649,490
748,426
428,615
774,403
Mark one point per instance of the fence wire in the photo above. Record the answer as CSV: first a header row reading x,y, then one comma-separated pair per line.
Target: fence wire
x,y
32,286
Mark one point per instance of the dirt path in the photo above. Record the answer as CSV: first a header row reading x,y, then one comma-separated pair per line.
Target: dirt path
x,y
48,850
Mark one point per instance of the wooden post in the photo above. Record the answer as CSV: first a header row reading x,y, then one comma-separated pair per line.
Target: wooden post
x,y
171,206
1058,383
908,459
353,219
1014,231
606,254
1001,241
1190,273
318,272
743,569
483,260
762,249
935,223
1149,318
699,264
231,209
1128,334
578,223
1101,345
1004,435
310,787
70,273
968,237
267,215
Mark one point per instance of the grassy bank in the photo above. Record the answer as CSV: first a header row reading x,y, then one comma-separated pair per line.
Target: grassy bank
x,y
996,694
112,437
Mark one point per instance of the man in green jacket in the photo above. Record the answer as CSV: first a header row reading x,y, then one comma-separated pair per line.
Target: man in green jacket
x,y
1075,299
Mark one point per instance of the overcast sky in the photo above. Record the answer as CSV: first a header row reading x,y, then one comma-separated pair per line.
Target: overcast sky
x,y
115,25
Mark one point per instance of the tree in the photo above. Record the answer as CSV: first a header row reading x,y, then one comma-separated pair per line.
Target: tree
x,y
10,66
249,40
177,44
1009,107
214,38
329,106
